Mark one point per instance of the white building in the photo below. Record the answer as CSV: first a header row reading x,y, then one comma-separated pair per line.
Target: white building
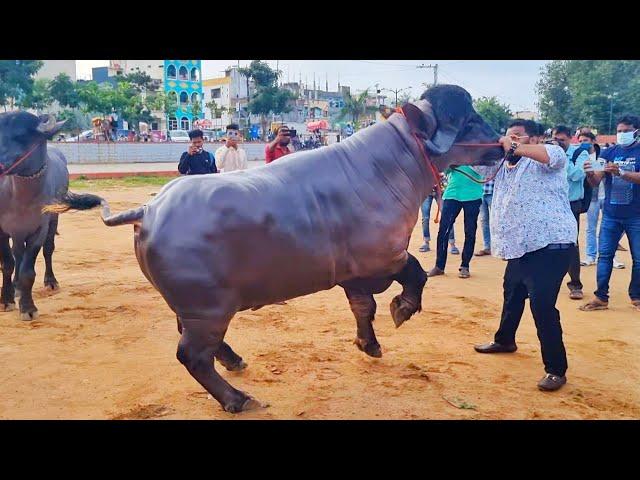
x,y
53,68
230,94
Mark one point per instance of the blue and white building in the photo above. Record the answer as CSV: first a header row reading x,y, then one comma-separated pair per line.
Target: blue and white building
x,y
182,81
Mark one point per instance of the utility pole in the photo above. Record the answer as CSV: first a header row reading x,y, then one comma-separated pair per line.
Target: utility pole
x,y
435,71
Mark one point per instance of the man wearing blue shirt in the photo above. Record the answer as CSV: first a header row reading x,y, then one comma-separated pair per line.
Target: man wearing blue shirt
x,y
621,213
575,178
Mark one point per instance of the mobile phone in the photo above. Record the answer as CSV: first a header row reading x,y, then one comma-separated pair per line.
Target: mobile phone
x,y
598,165
292,133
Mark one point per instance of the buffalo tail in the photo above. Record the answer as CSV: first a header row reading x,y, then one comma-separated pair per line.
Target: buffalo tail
x,y
74,201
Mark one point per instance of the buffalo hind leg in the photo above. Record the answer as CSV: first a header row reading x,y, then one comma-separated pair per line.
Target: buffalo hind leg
x,y
413,279
225,354
201,340
363,307
230,359
7,296
50,281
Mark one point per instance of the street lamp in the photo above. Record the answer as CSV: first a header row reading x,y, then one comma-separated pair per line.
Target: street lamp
x,y
610,97
396,91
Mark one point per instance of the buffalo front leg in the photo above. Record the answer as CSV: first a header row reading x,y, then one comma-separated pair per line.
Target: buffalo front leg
x,y
50,281
201,340
413,279
363,307
7,296
27,276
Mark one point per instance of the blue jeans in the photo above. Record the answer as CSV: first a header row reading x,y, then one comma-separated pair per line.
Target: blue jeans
x,y
426,213
611,230
593,215
485,210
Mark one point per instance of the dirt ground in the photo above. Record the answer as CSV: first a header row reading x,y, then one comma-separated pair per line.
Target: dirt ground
x,y
104,347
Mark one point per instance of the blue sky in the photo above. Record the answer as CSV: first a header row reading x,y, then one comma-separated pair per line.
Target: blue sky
x,y
512,81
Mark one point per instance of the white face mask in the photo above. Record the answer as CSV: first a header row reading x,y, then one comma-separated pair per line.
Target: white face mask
x,y
626,138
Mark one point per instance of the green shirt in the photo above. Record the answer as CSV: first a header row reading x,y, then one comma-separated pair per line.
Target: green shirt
x,y
461,188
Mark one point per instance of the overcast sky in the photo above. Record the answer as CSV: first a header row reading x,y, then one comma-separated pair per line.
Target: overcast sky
x,y
512,81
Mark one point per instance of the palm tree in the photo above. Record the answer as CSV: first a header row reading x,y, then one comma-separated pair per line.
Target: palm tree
x,y
356,106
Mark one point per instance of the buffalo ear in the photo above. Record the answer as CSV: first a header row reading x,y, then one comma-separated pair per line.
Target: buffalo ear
x,y
420,118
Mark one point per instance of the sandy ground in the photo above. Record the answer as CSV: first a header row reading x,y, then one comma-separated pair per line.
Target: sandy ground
x,y
104,347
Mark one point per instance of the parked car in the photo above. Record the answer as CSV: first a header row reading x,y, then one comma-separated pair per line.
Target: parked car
x,y
179,136
85,136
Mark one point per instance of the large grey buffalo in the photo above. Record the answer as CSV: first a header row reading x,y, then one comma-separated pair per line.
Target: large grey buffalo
x,y
30,178
214,245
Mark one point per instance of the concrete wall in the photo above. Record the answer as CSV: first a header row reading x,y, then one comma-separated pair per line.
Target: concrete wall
x,y
139,152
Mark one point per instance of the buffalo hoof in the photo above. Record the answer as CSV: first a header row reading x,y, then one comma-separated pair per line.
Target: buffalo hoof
x,y
28,316
401,310
51,285
241,365
7,307
370,348
244,405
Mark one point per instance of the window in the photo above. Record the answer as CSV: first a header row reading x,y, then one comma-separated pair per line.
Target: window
x,y
171,72
173,123
194,97
183,73
184,123
194,74
215,93
154,125
173,96
184,98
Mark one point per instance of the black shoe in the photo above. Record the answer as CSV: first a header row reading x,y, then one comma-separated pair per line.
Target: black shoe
x,y
551,383
494,347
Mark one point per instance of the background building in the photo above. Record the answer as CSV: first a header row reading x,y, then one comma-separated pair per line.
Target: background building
x,y
53,68
182,81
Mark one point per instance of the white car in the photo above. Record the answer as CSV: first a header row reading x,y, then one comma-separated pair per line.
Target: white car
x,y
83,137
179,136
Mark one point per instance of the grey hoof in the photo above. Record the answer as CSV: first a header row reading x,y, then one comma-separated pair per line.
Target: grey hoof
x,y
370,348
249,403
7,307
27,317
237,367
401,310
52,286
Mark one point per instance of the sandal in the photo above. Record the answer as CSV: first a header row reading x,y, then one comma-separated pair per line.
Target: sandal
x,y
595,304
636,304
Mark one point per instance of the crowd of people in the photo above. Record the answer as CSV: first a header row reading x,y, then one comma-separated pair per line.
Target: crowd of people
x,y
529,207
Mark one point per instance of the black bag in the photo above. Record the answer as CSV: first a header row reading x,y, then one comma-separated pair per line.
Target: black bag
x,y
588,189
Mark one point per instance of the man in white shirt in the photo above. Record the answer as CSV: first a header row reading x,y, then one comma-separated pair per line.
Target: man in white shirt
x,y
230,157
532,226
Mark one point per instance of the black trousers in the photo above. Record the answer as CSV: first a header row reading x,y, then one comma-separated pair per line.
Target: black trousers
x,y
537,275
574,262
450,211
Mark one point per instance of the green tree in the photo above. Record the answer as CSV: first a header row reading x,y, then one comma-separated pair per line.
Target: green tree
x,y
496,114
268,98
64,91
215,110
354,107
141,81
196,109
40,97
16,80
588,92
